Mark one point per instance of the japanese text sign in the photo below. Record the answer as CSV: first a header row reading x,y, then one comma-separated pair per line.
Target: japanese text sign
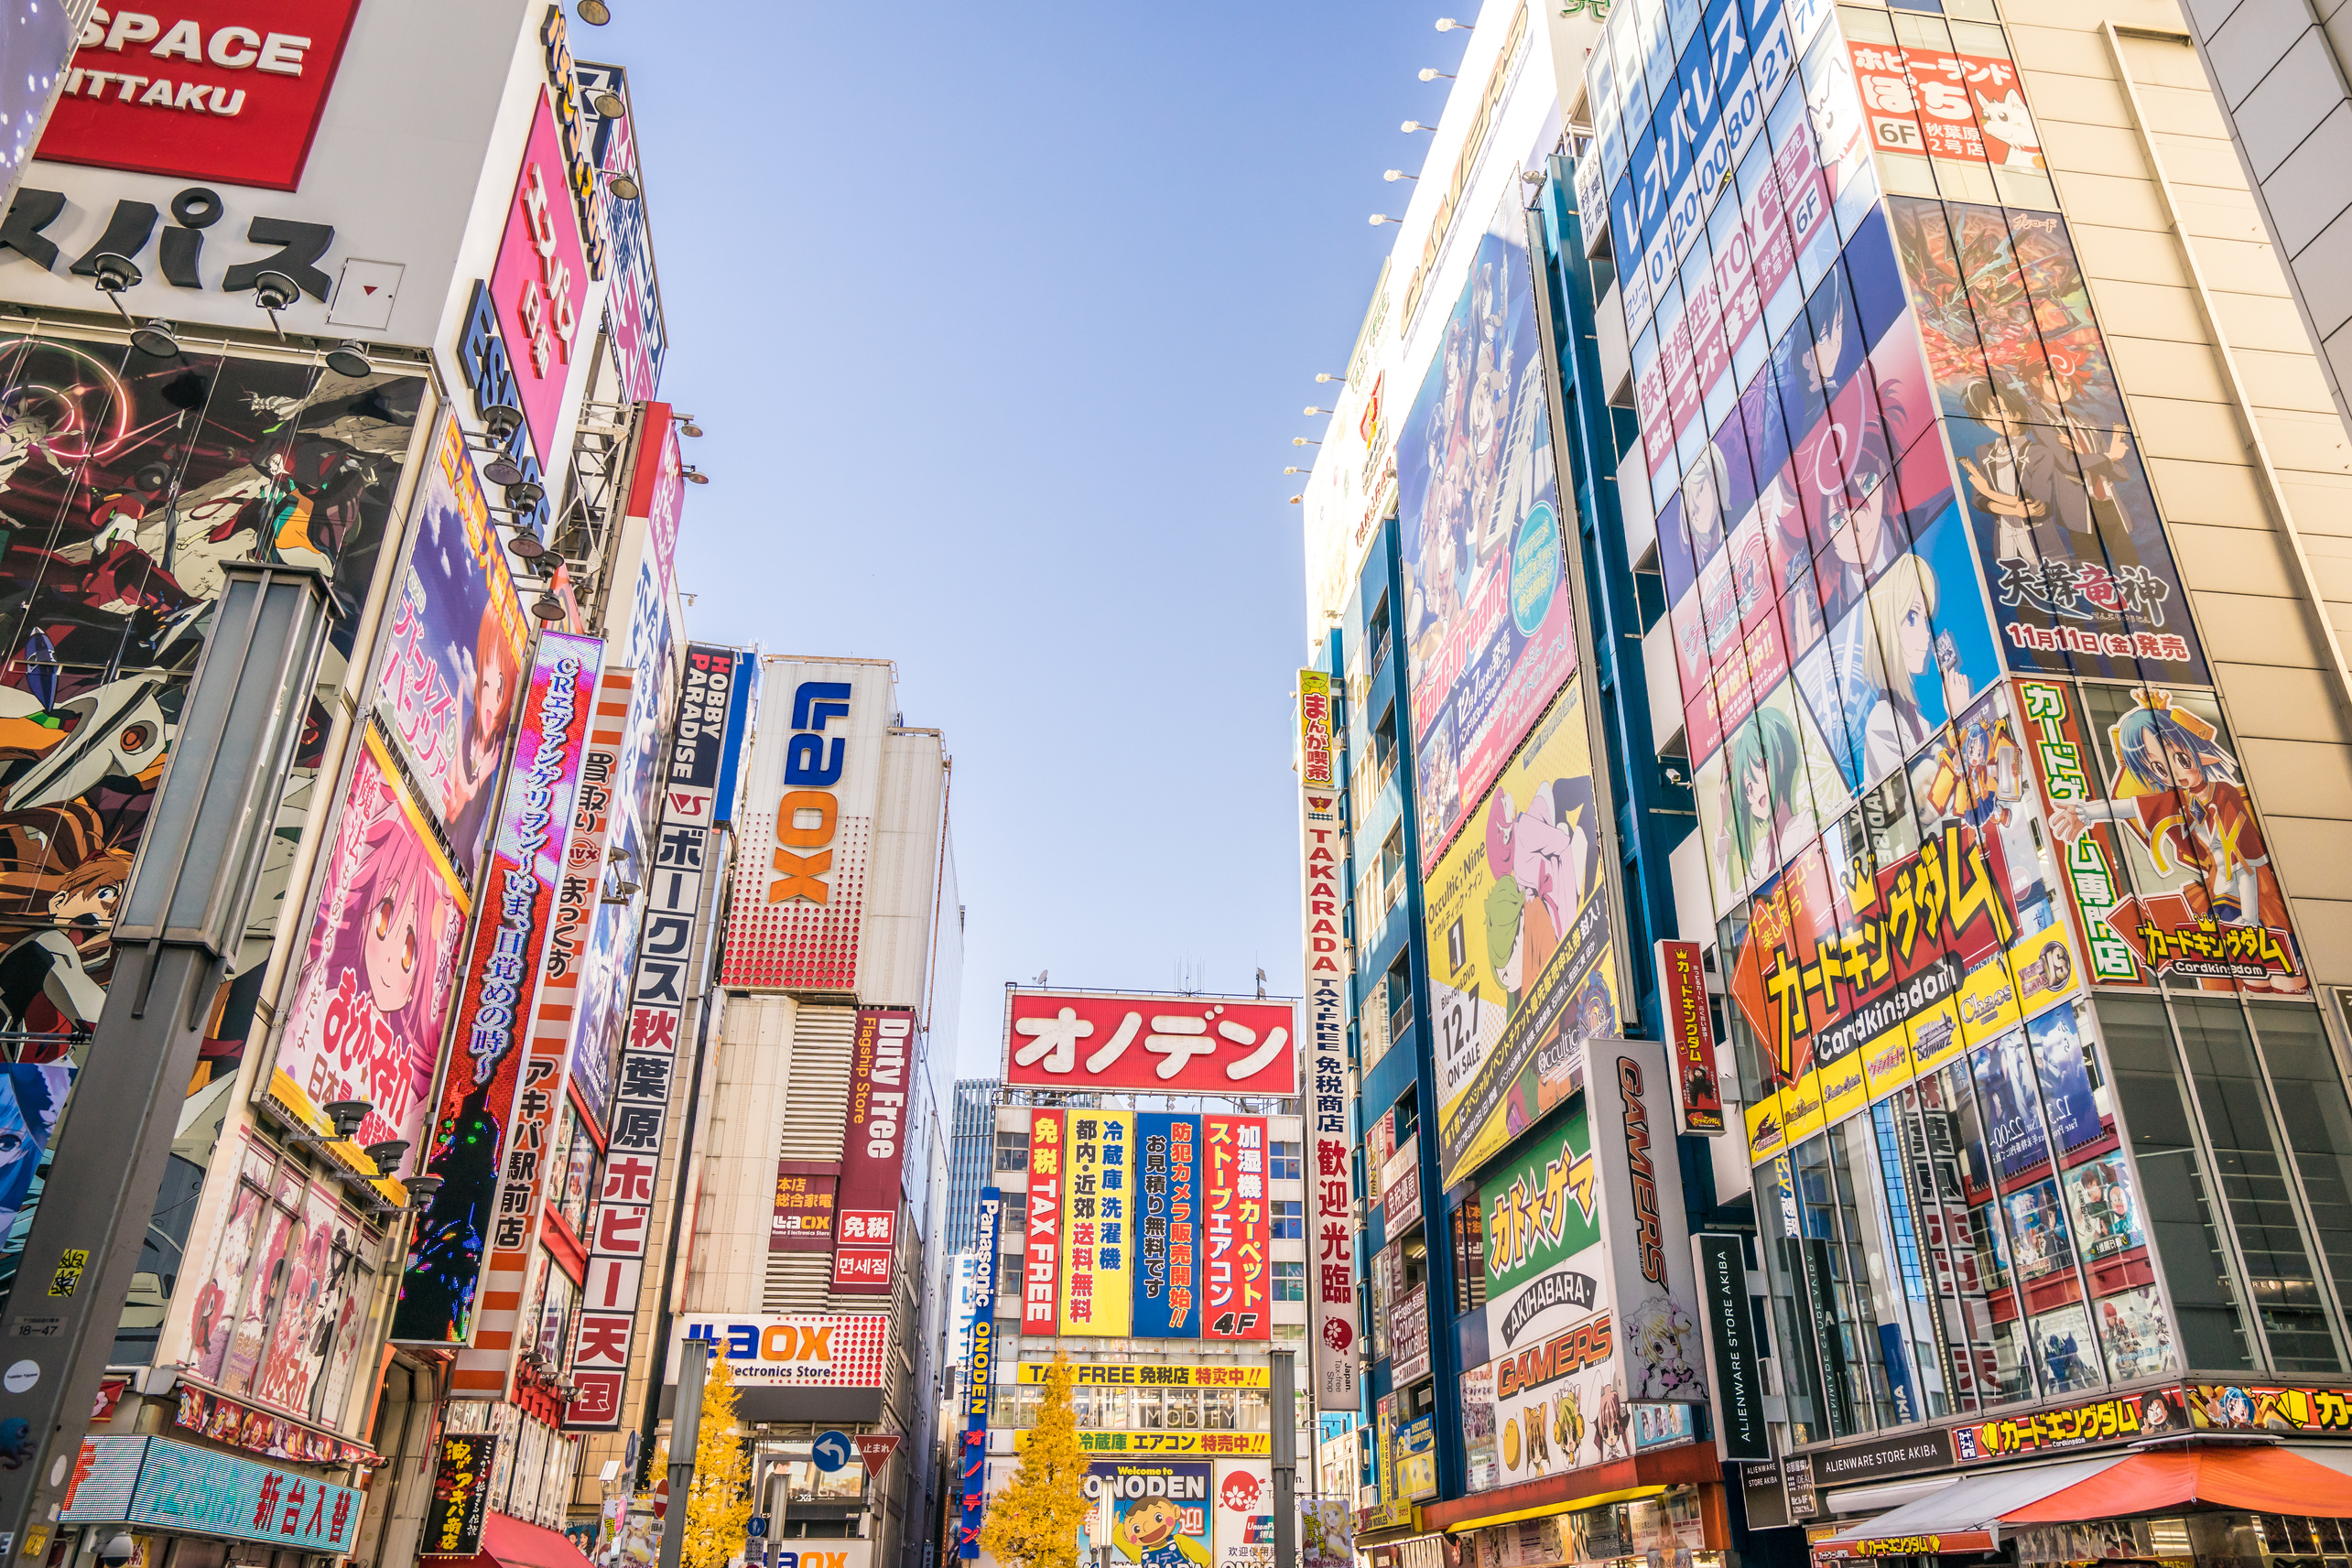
x,y
1098,1223
1690,1036
873,1151
137,1480
1239,1230
1167,1221
1041,1264
541,283
1169,1044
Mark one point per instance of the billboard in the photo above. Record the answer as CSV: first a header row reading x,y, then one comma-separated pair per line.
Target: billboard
x,y
1645,1241
1041,1261
1331,1254
1539,1215
633,304
873,1150
1155,1513
806,1193
164,1485
452,670
1097,1236
539,284
806,832
1521,973
381,968
1690,1031
791,1350
1119,1041
472,1127
980,1376
1553,1406
1168,1226
235,96
1244,1528
1238,1233
1489,627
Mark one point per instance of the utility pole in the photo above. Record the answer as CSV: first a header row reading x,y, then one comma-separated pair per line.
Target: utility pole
x,y
684,1431
1285,1413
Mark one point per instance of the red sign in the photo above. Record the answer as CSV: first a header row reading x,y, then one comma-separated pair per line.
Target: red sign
x,y
1690,1036
541,283
1159,1043
875,1448
865,1226
1040,1263
1233,1291
222,90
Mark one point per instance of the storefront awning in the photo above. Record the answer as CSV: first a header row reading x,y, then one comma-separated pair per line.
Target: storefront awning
x,y
2259,1480
1963,1517
512,1542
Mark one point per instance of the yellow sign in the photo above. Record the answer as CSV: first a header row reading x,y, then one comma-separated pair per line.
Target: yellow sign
x,y
1222,1444
1520,962
1097,1235
1107,1375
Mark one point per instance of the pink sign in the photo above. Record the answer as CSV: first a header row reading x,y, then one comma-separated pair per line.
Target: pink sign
x,y
657,490
541,283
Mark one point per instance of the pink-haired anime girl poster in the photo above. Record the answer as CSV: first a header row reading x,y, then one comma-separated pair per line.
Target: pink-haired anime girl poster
x,y
381,969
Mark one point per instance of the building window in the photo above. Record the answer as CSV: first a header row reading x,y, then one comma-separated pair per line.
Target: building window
x,y
1376,637
1011,1150
1290,1220
1287,1162
1383,748
1290,1281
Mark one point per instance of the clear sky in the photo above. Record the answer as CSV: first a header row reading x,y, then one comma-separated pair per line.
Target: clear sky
x,y
1000,320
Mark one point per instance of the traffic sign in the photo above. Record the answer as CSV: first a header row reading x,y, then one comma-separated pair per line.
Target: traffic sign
x,y
758,1527
831,1451
875,1448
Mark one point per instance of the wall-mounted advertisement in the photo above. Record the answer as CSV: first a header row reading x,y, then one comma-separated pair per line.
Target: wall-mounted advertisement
x,y
380,971
1098,1220
1644,1237
1521,970
1041,1256
792,1350
539,285
1489,627
1161,1044
1244,1532
874,1153
802,1220
1553,1406
1539,1215
1331,1264
1153,1514
1167,1225
1237,1230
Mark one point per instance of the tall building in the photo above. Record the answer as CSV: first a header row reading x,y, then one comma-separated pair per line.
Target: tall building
x,y
1842,487
971,1157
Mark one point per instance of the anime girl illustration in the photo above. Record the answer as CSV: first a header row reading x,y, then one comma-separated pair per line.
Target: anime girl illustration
x,y
53,980
482,742
1879,653
1760,786
2178,792
32,1098
1545,858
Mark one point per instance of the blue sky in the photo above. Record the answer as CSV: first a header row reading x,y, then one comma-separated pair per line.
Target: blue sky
x,y
1000,322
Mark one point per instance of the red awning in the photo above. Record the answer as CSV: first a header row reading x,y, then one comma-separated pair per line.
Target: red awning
x,y
515,1543
2259,1480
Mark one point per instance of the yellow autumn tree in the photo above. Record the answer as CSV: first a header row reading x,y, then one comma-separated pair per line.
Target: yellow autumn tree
x,y
1035,1522
719,1503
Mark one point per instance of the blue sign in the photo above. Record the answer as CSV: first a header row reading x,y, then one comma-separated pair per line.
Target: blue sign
x,y
1167,1270
832,1451
981,1367
758,1527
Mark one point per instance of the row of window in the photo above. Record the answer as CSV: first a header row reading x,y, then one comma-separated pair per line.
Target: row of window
x,y
1289,1279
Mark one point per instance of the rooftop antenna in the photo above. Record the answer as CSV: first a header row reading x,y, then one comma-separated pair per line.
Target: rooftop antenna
x,y
1262,985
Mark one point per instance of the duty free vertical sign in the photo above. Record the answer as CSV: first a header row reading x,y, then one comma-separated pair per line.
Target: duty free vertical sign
x,y
1331,1256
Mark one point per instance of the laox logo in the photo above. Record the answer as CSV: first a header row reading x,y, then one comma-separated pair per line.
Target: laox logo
x,y
807,816
786,1558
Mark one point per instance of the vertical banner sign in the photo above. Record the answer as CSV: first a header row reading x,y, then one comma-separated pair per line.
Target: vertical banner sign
x,y
1041,1265
440,1294
485,1367
803,1218
1690,1036
1737,1394
1096,1221
1641,1226
1167,1221
866,1215
981,1373
620,1229
1331,1234
461,1494
1233,1268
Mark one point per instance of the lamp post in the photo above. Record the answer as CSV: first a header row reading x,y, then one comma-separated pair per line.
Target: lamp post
x,y
684,1431
1284,1421
181,919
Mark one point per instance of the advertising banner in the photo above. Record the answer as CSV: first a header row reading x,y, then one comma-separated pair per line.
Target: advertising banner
x,y
791,1350
1521,973
238,98
162,1483
633,303
872,1153
803,1218
1041,1262
470,1140
453,658
1726,1316
1119,1041
1235,1293
1219,1445
980,1376
2128,1418
678,896
1152,1514
1554,1406
1642,1229
1542,1231
1244,1530
461,1494
812,788
1690,1034
539,285
1399,1189
1096,1220
380,970
1488,630
1315,764
1121,1375
1409,1326
1331,1216
1168,1265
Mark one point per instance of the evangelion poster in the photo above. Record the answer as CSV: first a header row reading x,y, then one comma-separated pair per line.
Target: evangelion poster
x,y
1488,622
381,968
1521,973
453,658
469,1132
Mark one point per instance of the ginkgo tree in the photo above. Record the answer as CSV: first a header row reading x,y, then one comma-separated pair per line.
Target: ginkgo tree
x,y
1035,1522
719,1502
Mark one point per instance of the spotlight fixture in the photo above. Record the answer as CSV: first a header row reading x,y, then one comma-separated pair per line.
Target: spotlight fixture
x,y
525,496
1448,25
387,1153
347,358
1311,413
1325,375
500,421
1303,441
421,1188
1534,175
526,546
1394,175
273,292
1412,125
624,186
695,475
1296,500
1293,468
547,607
1431,73
113,274
502,469
158,339
1380,218
607,105
686,427
595,13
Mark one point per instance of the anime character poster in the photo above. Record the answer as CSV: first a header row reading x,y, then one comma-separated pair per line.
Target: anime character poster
x,y
2037,1228
380,971
2014,1136
451,673
1521,967
1154,1514
214,1322
604,1011
2207,909
2082,578
1767,794
2107,1221
2066,1350
1488,623
2134,1335
32,1098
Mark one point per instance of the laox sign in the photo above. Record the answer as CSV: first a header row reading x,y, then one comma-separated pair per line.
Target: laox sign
x,y
807,816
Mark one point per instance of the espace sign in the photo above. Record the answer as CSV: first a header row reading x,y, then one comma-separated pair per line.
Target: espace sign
x,y
222,90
